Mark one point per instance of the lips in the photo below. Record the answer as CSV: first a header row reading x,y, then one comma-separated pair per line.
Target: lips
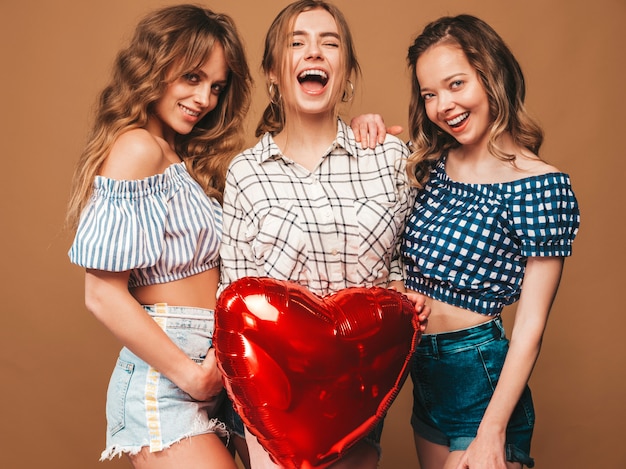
x,y
189,112
457,121
313,80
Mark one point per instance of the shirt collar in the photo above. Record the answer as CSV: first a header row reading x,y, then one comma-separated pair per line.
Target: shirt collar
x,y
267,149
345,138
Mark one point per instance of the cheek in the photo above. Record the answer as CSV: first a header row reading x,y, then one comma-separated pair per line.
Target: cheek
x,y
213,101
480,97
431,110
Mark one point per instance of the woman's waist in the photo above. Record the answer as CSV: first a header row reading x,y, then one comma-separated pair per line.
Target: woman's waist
x,y
445,317
478,298
196,291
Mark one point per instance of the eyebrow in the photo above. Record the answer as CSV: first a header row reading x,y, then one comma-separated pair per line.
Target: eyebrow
x,y
201,72
447,79
454,75
327,34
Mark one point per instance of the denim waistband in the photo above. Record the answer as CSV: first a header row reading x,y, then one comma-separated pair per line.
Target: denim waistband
x,y
184,312
433,344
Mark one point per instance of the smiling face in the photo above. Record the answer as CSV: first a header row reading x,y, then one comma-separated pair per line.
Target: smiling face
x,y
190,97
313,76
454,97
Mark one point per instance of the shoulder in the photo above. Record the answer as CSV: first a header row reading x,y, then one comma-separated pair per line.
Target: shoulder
x,y
135,154
391,141
264,149
534,166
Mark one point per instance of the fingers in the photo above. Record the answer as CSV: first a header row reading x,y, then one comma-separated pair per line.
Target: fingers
x,y
370,130
395,130
376,131
417,299
355,124
422,309
214,380
423,318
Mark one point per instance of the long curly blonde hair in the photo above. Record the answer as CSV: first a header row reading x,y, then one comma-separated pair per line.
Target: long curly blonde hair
x,y
169,42
501,77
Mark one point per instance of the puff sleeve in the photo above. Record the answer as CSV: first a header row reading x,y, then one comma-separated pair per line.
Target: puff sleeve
x,y
545,216
122,227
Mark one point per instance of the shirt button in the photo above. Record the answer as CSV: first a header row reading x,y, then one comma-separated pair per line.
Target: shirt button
x,y
334,252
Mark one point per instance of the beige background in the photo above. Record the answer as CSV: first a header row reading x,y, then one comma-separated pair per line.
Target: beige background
x,y
55,359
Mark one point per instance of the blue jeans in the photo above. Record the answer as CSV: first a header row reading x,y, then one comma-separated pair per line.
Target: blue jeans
x,y
145,408
454,375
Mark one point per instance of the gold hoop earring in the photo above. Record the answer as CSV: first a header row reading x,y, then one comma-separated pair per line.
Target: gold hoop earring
x,y
348,97
274,90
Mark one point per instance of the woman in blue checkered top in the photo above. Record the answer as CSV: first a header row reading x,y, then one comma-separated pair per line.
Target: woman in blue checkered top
x,y
491,226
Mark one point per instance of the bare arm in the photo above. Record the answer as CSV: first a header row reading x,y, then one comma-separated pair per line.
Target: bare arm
x,y
540,285
107,297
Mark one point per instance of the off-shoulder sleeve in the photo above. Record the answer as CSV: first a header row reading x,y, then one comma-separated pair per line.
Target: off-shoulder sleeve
x,y
122,227
545,215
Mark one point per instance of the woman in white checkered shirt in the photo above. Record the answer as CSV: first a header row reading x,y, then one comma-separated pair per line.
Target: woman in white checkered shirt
x,y
307,204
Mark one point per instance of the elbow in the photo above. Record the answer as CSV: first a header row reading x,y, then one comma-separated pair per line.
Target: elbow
x,y
93,301
99,294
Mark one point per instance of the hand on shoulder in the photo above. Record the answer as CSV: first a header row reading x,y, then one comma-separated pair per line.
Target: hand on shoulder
x,y
137,154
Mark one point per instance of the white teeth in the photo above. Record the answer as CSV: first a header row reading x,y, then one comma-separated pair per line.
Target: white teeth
x,y
186,110
320,73
458,119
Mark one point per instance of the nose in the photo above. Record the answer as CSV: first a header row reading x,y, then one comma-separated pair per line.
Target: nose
x,y
202,96
444,102
314,51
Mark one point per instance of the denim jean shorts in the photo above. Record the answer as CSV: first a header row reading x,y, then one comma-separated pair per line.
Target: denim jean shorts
x,y
454,375
144,408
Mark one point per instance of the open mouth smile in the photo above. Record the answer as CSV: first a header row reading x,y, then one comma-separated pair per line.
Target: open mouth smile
x,y
458,120
188,111
313,79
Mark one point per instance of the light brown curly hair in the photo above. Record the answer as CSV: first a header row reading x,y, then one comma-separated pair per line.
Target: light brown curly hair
x,y
501,77
169,42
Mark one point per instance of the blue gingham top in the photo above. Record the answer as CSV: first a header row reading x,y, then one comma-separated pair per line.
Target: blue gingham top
x,y
161,228
334,227
467,244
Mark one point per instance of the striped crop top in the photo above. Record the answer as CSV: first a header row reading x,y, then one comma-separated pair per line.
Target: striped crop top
x,y
467,244
161,228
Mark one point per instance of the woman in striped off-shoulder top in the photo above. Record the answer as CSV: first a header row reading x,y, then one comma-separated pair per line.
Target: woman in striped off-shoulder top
x,y
146,209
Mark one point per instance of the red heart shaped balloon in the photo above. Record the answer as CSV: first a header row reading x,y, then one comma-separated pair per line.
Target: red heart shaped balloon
x,y
311,376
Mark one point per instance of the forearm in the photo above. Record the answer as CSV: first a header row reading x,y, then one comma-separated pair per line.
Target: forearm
x,y
107,297
516,372
539,289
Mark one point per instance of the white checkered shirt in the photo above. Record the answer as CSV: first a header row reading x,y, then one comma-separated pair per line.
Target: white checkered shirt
x,y
335,227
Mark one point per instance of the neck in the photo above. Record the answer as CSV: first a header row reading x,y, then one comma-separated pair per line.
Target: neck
x,y
480,152
305,138
475,164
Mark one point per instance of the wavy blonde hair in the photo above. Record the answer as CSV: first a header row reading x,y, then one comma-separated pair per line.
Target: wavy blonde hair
x,y
501,77
169,42
275,59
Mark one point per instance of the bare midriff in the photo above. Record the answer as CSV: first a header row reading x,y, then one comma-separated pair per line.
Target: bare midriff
x,y
445,317
198,291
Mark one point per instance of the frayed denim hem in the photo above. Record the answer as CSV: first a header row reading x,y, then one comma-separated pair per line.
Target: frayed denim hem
x,y
215,426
